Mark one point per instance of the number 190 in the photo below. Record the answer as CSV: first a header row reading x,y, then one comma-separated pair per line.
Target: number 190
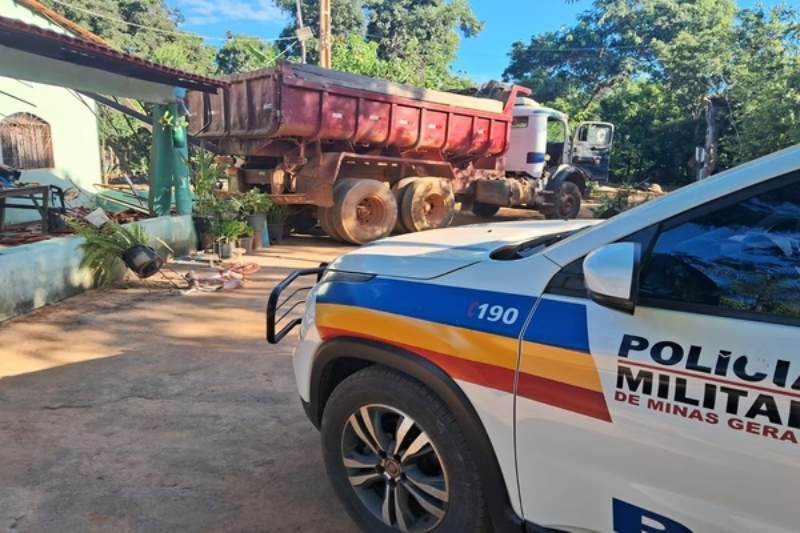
x,y
494,313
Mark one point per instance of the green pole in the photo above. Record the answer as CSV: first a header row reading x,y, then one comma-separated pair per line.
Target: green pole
x,y
160,198
180,159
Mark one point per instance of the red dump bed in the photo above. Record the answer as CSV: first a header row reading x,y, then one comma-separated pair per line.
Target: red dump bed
x,y
311,103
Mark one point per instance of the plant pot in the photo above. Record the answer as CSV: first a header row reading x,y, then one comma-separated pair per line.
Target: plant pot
x,y
247,244
257,222
207,241
203,228
142,260
275,232
224,250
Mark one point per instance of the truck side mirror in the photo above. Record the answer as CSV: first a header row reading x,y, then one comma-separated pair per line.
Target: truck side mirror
x,y
611,274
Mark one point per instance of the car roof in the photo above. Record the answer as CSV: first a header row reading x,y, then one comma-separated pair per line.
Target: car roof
x,y
676,202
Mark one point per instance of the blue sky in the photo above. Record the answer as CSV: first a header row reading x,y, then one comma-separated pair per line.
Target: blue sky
x,y
482,58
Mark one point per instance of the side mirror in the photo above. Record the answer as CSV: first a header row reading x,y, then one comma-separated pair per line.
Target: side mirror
x,y
611,274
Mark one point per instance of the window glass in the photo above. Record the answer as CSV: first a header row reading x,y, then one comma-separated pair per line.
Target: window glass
x,y
520,122
743,257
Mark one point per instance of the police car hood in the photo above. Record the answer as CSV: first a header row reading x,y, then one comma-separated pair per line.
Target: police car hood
x,y
429,254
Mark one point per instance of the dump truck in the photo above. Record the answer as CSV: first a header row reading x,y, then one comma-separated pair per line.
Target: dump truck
x,y
364,157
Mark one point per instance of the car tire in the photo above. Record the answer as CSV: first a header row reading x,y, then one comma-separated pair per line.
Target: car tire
x,y
452,500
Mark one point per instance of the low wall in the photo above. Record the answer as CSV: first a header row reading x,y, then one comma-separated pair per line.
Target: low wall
x,y
41,273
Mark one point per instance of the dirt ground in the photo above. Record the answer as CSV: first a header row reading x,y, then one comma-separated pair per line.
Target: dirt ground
x,y
137,410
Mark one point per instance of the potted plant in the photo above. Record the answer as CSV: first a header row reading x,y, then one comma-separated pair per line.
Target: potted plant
x,y
246,239
110,248
230,231
206,174
255,206
276,220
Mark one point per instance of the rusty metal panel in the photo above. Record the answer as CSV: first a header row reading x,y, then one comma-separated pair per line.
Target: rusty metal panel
x,y
338,117
301,112
405,126
315,104
373,122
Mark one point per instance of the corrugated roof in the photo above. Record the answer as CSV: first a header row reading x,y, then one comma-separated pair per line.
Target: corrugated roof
x,y
33,39
60,20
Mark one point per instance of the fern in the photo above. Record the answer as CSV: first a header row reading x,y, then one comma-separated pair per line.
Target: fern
x,y
103,247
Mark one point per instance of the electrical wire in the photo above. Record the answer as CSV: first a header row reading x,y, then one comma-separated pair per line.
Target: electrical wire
x,y
159,30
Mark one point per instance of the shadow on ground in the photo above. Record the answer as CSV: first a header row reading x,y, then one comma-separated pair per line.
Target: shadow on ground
x,y
144,411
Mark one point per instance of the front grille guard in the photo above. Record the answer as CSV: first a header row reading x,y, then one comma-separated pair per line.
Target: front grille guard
x,y
277,305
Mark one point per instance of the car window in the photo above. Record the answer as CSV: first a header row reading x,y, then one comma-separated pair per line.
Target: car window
x,y
741,257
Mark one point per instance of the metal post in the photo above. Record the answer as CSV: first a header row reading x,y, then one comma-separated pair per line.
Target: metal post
x,y
325,33
160,197
180,157
300,27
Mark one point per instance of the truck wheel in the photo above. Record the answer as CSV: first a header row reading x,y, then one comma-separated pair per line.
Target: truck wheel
x,y
566,202
428,203
399,189
324,215
364,210
397,457
485,210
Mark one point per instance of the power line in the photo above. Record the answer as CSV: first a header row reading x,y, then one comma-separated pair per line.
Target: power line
x,y
159,30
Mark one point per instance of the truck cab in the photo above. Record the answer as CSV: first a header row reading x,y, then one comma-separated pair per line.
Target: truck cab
x,y
545,169
540,144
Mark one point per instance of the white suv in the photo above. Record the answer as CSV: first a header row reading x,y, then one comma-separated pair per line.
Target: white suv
x,y
637,375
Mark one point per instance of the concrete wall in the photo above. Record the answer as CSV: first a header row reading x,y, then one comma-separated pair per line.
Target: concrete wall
x,y
38,274
73,123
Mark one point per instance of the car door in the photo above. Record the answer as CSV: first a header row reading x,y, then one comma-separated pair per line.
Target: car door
x,y
591,148
697,423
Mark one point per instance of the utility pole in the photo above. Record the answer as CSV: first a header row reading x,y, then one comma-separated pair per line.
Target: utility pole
x,y
301,31
325,33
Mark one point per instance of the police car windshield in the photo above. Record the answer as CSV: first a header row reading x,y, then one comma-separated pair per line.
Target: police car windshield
x,y
528,248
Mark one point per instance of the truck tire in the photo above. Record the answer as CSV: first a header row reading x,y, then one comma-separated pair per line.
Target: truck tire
x,y
566,202
324,215
364,210
428,203
422,481
399,189
485,210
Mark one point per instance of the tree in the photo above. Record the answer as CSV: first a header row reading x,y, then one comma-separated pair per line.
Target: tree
x,y
423,34
651,65
347,18
147,36
356,55
241,53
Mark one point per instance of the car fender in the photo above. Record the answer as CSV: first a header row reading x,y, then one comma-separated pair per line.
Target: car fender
x,y
352,354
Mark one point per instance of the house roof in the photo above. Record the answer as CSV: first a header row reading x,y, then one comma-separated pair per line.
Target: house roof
x,y
24,37
60,20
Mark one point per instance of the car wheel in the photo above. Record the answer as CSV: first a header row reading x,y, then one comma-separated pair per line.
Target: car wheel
x,y
397,458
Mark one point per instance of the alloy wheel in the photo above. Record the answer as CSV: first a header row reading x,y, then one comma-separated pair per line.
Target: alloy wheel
x,y
394,468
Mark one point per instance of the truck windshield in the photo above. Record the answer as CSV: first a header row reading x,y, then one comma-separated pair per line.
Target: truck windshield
x,y
528,248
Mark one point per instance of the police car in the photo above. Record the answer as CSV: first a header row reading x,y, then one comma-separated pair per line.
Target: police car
x,y
636,375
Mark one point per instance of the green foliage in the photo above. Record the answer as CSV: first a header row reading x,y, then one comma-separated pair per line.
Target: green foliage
x,y
613,205
277,214
354,54
255,202
649,66
103,248
241,53
230,230
205,174
409,41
